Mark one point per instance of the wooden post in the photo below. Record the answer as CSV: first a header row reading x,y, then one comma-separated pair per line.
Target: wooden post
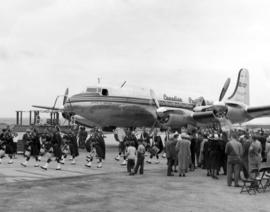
x,y
57,118
21,116
30,117
51,118
35,117
17,117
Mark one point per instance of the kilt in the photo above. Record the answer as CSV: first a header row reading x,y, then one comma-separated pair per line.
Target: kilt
x,y
10,148
57,151
154,150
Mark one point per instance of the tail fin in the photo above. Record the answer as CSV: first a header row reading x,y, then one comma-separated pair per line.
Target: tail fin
x,y
241,91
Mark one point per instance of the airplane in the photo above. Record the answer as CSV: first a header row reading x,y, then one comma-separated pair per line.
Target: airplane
x,y
110,107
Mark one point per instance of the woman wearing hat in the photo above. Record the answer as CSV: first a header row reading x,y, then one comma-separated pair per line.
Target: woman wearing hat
x,y
183,154
254,154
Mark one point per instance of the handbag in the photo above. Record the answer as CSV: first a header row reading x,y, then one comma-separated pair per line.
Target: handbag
x,y
2,153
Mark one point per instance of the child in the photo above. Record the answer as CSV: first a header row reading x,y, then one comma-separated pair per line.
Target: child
x,y
140,158
131,155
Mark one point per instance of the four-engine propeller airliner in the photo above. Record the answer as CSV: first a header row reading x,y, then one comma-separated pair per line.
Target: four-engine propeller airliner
x,y
120,107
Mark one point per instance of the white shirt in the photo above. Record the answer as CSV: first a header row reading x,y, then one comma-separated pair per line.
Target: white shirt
x,y
131,152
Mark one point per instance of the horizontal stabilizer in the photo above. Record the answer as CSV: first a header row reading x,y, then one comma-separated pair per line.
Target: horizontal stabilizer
x,y
47,108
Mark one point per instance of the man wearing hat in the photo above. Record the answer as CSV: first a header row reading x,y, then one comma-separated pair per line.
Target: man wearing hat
x,y
73,146
32,146
2,145
171,152
8,139
234,151
55,149
214,155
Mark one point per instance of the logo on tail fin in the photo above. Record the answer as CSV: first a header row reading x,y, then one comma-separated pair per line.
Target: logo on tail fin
x,y
241,91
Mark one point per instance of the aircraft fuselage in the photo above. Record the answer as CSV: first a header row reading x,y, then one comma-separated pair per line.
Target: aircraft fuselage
x,y
121,111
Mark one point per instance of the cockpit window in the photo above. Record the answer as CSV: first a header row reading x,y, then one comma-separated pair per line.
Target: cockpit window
x,y
105,92
91,90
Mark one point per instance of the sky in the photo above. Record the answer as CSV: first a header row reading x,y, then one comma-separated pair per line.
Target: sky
x,y
187,47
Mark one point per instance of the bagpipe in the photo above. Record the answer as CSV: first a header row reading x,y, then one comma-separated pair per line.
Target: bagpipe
x,y
65,148
153,150
28,148
28,142
92,154
42,150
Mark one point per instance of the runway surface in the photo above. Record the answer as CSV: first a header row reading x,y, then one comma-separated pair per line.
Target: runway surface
x,y
78,188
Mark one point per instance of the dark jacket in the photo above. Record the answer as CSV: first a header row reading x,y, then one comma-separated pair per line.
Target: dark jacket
x,y
73,146
158,142
8,139
99,144
56,144
170,149
214,154
35,145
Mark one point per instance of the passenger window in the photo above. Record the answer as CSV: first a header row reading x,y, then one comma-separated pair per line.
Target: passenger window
x,y
105,92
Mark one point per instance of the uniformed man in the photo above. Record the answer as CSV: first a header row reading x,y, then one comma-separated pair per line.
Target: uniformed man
x,y
73,146
97,146
8,140
55,149
32,146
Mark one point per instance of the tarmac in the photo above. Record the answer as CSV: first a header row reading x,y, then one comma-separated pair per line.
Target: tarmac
x,y
78,188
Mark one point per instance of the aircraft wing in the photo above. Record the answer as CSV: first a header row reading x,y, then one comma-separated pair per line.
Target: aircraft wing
x,y
259,111
46,107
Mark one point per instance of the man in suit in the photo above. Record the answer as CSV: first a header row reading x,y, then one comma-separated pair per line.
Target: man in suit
x,y
171,152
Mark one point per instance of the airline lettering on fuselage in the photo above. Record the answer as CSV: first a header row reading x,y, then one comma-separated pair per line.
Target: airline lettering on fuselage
x,y
172,98
177,104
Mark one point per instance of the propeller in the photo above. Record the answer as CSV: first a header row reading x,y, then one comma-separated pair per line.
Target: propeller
x,y
154,98
224,89
219,107
65,96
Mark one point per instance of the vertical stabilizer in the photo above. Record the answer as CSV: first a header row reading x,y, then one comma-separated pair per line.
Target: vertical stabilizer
x,y
241,91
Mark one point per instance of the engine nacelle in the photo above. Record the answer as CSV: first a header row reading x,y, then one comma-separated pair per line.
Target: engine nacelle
x,y
219,109
175,120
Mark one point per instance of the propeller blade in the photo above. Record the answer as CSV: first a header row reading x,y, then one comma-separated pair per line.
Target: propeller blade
x,y
153,96
65,96
224,89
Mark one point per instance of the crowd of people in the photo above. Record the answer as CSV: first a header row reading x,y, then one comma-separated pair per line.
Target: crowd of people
x,y
232,152
235,153
229,153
